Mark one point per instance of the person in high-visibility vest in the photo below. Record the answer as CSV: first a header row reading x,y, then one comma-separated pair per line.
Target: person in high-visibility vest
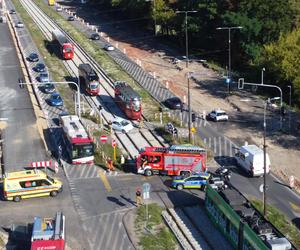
x,y
110,164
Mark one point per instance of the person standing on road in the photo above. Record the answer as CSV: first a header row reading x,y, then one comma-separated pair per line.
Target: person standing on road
x,y
138,197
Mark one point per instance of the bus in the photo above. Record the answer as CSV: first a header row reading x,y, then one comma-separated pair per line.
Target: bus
x,y
240,222
128,100
66,48
78,144
88,79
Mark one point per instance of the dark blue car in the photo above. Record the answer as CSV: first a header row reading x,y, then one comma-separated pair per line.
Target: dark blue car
x,y
40,67
55,100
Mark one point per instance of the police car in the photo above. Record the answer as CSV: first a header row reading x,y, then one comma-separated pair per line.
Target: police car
x,y
198,180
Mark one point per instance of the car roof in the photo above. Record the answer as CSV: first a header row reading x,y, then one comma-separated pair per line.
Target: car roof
x,y
219,111
55,94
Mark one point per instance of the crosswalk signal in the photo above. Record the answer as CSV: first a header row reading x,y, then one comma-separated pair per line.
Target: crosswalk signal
x,y
193,117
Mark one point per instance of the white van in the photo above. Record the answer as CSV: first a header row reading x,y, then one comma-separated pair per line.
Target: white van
x,y
251,159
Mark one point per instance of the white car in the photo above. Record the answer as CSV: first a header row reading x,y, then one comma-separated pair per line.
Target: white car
x,y
218,115
108,47
122,125
59,9
20,25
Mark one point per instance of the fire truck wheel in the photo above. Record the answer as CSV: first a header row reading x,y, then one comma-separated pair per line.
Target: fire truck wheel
x,y
148,172
17,198
179,187
53,193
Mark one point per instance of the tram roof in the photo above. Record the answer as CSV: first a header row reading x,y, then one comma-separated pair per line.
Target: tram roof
x,y
127,90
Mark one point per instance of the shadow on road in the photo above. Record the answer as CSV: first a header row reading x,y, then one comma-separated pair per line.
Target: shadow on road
x,y
116,200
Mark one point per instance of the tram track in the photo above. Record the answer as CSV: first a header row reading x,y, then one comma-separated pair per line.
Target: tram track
x,y
81,56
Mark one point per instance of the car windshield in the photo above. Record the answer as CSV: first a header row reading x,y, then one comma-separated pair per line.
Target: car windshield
x,y
40,66
50,179
45,75
221,113
124,123
93,78
49,85
56,97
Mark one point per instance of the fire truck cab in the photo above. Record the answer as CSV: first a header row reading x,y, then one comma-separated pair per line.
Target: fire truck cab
x,y
173,160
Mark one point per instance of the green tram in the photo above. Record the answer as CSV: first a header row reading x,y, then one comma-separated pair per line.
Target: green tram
x,y
241,223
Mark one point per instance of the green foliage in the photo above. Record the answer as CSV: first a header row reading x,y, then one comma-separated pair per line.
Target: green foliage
x,y
158,236
280,221
283,61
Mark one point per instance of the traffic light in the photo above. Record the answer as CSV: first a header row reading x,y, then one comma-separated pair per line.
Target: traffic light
x,y
193,117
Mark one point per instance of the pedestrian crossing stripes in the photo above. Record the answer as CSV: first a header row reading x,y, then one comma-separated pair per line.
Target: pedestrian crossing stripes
x,y
107,231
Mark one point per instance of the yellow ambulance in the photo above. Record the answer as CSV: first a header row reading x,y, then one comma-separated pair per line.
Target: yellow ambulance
x,y
28,184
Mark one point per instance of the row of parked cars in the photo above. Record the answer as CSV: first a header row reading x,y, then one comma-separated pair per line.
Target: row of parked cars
x,y
43,77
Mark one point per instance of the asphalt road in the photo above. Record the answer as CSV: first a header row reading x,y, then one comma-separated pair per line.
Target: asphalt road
x,y
211,133
22,143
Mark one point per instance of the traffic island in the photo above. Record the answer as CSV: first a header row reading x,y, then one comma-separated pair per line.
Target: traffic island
x,y
151,233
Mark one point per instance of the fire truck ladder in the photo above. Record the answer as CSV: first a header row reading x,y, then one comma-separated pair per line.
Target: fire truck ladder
x,y
187,149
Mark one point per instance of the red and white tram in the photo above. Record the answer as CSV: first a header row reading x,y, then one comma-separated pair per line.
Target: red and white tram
x,y
128,100
79,146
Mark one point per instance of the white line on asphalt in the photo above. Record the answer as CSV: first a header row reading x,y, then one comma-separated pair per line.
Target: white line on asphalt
x,y
220,145
215,145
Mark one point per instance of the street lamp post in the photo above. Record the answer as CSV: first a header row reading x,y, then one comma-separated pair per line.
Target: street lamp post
x,y
229,51
290,104
265,155
186,33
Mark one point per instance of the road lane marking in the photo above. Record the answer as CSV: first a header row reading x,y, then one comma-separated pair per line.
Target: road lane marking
x,y
105,181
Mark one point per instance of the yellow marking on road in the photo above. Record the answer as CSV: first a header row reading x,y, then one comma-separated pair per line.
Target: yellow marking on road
x,y
295,207
125,178
105,181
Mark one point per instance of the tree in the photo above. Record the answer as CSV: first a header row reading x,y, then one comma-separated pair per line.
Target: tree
x,y
283,60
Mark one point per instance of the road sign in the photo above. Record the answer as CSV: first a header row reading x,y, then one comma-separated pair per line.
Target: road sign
x,y
114,143
193,130
261,188
146,190
39,164
146,187
56,167
103,138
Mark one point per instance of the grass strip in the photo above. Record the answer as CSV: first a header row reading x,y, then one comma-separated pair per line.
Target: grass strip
x,y
279,220
112,69
157,235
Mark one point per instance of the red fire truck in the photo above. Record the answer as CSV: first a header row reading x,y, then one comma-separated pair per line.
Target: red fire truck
x,y
66,48
48,233
128,100
173,160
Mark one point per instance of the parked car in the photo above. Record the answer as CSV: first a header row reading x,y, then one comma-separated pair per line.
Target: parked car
x,y
120,124
43,77
55,100
173,103
71,18
198,180
95,36
33,57
12,11
59,9
48,88
217,115
108,47
40,67
20,25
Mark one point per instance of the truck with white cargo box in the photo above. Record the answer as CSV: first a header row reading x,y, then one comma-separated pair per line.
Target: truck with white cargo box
x,y
251,159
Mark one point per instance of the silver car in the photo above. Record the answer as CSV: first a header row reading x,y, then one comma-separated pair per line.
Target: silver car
x,y
44,77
